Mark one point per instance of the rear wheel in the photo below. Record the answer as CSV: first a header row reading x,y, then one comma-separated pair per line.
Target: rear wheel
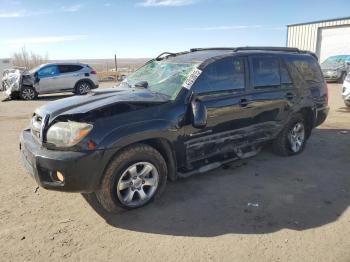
x,y
134,178
83,88
28,93
292,139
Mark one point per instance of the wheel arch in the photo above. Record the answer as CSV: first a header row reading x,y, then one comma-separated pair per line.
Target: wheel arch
x,y
83,80
162,145
309,117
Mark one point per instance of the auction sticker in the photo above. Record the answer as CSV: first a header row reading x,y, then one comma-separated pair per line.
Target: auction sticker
x,y
192,78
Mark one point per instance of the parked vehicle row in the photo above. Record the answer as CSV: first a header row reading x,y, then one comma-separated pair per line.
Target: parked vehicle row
x,y
335,68
346,90
179,114
49,78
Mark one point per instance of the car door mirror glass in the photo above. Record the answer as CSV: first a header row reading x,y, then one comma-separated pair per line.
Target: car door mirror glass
x,y
199,114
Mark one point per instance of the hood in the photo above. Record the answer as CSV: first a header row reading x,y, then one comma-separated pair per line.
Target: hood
x,y
332,66
98,99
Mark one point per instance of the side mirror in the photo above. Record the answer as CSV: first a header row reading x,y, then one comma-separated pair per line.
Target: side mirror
x,y
199,114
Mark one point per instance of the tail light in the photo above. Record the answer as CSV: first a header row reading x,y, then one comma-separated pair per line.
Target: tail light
x,y
93,72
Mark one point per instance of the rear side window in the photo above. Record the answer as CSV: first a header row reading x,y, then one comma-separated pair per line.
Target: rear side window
x,y
69,68
227,74
266,72
308,67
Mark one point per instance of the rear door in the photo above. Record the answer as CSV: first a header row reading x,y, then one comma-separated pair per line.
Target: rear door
x,y
48,77
69,76
272,95
221,87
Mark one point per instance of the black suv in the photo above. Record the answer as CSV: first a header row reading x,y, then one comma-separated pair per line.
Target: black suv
x,y
179,114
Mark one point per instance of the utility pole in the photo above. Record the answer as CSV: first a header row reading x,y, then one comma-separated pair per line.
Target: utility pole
x,y
116,67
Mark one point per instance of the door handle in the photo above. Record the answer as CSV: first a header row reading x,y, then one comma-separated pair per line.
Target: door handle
x,y
290,96
244,102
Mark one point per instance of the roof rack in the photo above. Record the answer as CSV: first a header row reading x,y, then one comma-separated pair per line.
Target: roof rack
x,y
212,48
257,48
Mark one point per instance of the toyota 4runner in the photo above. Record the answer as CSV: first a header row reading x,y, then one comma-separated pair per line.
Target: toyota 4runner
x,y
179,114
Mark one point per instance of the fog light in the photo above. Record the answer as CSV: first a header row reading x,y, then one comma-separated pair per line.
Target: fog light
x,y
60,176
57,176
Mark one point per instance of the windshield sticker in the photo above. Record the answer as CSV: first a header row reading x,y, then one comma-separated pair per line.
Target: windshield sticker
x,y
192,78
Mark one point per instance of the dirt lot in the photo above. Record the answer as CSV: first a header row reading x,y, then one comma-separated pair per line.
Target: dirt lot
x,y
298,212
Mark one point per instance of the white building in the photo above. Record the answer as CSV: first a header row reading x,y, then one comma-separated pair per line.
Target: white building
x,y
5,63
325,38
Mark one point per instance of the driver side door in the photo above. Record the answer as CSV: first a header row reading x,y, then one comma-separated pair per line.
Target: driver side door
x,y
47,79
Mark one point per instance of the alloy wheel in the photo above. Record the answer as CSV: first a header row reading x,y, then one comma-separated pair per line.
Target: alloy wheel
x,y
138,184
297,137
84,88
28,94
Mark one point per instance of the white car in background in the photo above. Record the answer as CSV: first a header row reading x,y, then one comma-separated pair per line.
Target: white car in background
x,y
346,90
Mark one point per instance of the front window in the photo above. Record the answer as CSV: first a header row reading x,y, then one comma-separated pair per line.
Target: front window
x,y
162,76
48,71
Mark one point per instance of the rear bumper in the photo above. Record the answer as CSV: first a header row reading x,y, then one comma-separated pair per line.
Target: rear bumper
x,y
82,170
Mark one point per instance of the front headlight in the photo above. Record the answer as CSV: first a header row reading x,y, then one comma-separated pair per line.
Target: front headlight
x,y
66,134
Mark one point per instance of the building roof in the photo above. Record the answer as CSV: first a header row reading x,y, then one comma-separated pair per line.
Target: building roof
x,y
320,21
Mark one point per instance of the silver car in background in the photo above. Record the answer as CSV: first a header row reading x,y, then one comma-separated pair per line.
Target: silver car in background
x,y
50,78
346,91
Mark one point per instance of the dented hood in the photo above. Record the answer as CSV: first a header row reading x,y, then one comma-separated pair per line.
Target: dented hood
x,y
98,99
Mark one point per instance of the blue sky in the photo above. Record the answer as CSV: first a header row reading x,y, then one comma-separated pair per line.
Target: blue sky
x,y
73,29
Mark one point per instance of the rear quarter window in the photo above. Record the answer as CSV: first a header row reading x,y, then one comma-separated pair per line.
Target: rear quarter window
x,y
308,67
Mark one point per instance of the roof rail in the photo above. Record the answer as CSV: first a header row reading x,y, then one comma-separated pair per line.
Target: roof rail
x,y
258,48
268,48
160,57
165,55
212,48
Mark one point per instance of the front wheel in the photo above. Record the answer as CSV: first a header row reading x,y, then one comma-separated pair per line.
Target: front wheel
x,y
28,93
133,179
347,103
292,139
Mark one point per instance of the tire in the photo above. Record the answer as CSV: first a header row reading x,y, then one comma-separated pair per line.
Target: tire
x,y
28,93
15,95
82,88
123,185
347,103
285,143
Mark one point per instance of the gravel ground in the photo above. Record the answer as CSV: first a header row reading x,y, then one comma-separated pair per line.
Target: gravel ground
x,y
267,208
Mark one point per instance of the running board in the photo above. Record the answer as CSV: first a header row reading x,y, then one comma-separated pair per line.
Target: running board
x,y
206,168
203,169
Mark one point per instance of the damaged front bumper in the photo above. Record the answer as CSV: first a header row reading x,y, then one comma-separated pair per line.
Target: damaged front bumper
x,y
82,171
11,83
